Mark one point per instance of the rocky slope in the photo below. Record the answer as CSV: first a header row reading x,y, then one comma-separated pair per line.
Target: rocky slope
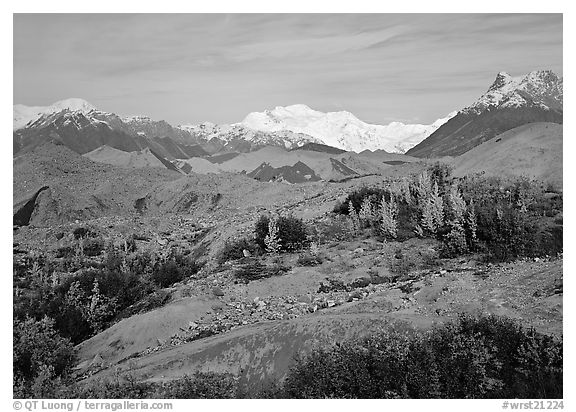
x,y
508,103
76,187
258,327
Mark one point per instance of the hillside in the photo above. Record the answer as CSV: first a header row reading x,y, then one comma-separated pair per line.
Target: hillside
x,y
533,150
261,340
115,157
78,188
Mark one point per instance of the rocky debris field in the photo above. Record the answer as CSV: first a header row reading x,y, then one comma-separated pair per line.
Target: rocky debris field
x,y
355,278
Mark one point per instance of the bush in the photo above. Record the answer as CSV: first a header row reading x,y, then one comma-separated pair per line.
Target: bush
x,y
291,232
40,355
93,247
473,357
65,252
507,218
174,270
234,249
357,198
200,385
511,217
167,274
83,232
255,269
308,259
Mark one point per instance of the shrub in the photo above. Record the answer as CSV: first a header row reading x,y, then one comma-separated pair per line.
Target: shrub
x,y
357,197
254,269
507,218
291,232
201,385
472,357
93,247
307,259
234,249
83,232
167,274
510,217
40,355
65,251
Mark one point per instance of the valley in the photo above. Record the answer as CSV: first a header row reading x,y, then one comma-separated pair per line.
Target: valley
x,y
164,251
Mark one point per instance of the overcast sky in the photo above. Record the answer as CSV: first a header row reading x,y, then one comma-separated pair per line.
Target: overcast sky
x,y
190,68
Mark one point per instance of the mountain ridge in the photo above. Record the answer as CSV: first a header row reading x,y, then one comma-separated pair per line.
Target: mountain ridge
x,y
508,103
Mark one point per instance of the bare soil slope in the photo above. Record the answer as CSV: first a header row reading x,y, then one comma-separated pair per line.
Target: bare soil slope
x,y
533,150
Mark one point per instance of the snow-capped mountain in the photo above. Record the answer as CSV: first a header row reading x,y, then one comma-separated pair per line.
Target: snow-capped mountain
x,y
508,103
235,134
288,127
341,129
22,114
538,88
84,131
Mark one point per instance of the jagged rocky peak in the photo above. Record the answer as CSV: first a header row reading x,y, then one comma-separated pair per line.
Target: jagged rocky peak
x,y
540,87
502,79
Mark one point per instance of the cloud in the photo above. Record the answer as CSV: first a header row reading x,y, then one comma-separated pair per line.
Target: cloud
x,y
193,67
313,46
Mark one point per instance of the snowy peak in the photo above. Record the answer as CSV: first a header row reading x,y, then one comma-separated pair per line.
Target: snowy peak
x,y
502,80
508,103
22,115
340,129
540,88
72,104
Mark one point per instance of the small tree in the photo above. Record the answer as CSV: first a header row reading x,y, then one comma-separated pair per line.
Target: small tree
x,y
366,214
353,219
432,211
272,240
471,225
388,217
100,309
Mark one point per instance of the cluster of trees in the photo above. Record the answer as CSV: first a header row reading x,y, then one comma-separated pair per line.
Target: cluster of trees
x,y
272,234
473,357
505,217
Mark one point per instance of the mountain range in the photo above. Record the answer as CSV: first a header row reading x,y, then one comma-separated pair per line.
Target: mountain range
x,y
289,127
296,144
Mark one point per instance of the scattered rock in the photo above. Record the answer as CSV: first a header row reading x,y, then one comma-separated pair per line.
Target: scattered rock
x,y
355,294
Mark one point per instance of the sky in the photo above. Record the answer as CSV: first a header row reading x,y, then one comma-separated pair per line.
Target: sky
x,y
191,68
